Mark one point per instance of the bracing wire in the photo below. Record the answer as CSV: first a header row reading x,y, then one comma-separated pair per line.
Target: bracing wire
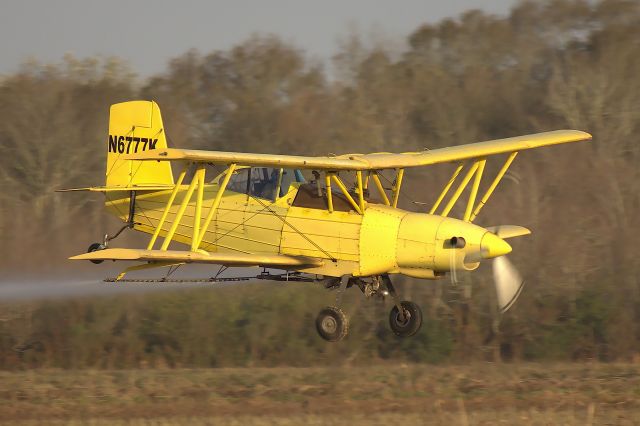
x,y
333,259
402,191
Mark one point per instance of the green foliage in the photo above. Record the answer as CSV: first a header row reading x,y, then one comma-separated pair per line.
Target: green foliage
x,y
578,333
244,325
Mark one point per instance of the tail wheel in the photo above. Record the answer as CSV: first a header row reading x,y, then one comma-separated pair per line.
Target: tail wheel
x,y
410,324
95,247
332,324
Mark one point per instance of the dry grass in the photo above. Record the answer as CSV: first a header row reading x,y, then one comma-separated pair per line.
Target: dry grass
x,y
573,394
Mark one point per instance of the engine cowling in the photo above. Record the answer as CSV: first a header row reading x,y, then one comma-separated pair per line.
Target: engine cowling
x,y
422,245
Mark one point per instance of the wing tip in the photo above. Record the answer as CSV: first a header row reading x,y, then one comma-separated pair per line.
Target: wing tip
x,y
584,136
79,257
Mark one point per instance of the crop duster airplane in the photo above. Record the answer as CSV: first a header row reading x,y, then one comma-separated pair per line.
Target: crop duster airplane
x,y
262,212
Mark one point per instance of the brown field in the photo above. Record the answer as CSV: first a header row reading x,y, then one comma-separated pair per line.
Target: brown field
x,y
573,394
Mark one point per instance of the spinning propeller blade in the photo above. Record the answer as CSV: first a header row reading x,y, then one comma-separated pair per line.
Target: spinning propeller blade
x,y
508,281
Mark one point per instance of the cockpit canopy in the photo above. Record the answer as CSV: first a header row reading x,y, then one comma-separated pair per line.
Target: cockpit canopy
x,y
264,182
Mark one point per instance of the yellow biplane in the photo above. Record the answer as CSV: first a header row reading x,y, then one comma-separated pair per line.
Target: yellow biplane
x,y
262,212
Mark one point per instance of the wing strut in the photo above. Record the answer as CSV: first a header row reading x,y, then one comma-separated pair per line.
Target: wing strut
x,y
360,190
182,209
345,192
474,190
216,203
493,185
446,189
198,181
476,172
327,183
397,186
461,188
172,198
383,193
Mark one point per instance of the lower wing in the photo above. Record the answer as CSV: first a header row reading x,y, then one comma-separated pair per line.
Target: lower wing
x,y
179,256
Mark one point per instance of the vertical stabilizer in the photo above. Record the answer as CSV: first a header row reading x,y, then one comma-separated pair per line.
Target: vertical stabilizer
x,y
136,126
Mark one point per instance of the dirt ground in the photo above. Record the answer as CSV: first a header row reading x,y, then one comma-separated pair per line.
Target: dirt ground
x,y
479,394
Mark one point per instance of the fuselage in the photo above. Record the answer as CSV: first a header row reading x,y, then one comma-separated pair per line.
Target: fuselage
x,y
381,240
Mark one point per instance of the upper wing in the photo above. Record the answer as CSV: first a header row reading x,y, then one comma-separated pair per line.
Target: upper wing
x,y
229,259
376,161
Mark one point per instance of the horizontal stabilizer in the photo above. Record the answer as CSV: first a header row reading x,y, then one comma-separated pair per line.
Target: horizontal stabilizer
x,y
179,256
118,188
508,231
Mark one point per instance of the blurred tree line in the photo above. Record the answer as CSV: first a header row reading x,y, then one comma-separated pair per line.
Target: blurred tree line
x,y
547,65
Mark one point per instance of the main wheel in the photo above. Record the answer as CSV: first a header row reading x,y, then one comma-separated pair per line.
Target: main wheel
x,y
412,319
95,247
332,324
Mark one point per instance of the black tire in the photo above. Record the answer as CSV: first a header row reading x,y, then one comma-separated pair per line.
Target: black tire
x,y
412,322
95,247
332,324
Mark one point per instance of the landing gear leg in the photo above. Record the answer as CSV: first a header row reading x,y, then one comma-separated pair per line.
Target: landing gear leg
x,y
392,291
105,242
344,282
405,318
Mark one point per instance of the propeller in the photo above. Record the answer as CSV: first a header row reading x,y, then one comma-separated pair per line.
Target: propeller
x,y
507,279
508,282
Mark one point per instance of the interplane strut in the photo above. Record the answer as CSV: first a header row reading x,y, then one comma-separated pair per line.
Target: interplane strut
x,y
475,172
